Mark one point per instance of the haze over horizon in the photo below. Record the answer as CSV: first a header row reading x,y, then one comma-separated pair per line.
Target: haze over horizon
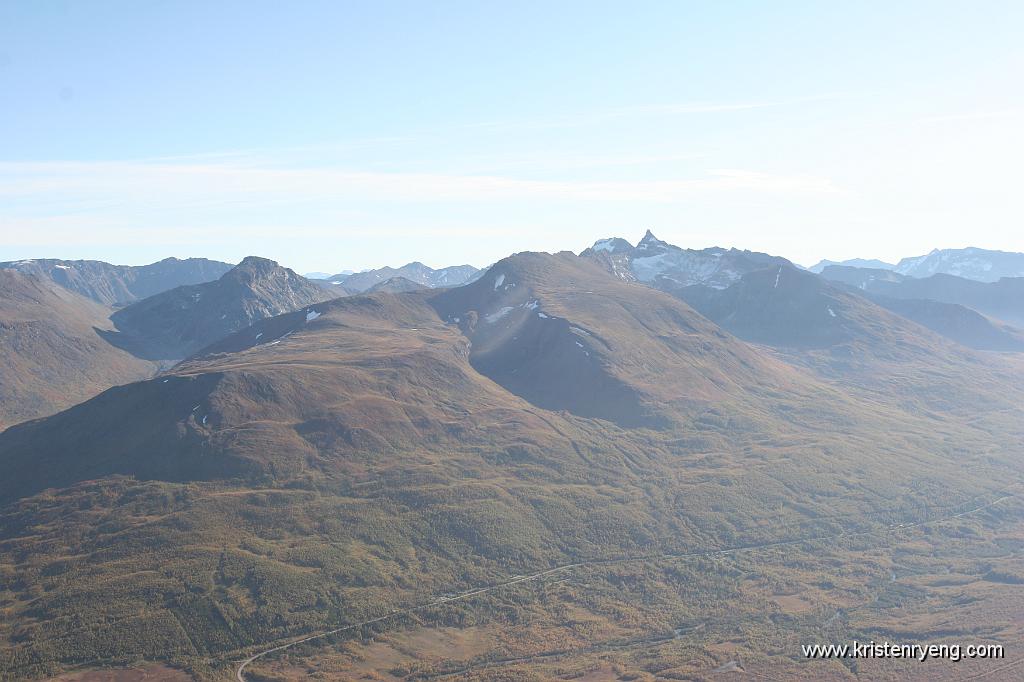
x,y
577,249
356,136
351,340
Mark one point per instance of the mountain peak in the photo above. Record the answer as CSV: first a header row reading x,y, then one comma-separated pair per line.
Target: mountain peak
x,y
252,269
256,263
177,323
612,245
650,242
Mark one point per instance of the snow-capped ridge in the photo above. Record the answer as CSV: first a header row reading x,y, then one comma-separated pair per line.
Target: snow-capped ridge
x,y
974,263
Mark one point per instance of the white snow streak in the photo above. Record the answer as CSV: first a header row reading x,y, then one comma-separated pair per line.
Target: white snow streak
x,y
494,317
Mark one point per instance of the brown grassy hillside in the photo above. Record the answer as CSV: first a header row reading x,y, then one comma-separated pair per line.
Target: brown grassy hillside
x,y
375,453
53,353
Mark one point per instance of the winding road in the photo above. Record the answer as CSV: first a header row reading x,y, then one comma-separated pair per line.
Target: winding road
x,y
437,601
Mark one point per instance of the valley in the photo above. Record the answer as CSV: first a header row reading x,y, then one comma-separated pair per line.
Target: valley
x,y
511,342
552,472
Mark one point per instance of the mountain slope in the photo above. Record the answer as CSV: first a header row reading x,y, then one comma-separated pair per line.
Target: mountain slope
x,y
359,456
300,396
390,373
844,337
121,284
981,265
177,323
558,331
1003,299
956,322
785,307
53,355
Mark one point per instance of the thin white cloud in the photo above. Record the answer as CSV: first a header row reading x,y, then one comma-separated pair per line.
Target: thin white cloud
x,y
85,184
973,116
593,117
668,109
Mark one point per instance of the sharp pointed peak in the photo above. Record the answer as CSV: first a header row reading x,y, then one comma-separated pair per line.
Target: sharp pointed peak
x,y
650,241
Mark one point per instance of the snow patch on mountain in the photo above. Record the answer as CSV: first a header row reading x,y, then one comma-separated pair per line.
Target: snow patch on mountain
x,y
495,316
982,265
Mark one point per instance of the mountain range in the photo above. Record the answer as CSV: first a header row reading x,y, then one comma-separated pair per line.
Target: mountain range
x,y
1002,299
669,267
61,348
176,323
853,263
415,272
637,462
116,285
982,265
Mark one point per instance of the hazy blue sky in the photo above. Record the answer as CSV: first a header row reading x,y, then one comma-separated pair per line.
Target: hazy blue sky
x,y
349,135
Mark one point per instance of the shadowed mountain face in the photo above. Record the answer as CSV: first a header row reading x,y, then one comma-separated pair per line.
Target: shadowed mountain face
x,y
844,336
116,285
179,322
324,391
797,315
781,306
956,322
1003,299
418,273
333,383
53,355
788,308
557,331
327,465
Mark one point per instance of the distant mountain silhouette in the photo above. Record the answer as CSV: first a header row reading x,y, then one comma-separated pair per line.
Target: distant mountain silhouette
x,y
852,262
117,285
414,272
1002,299
982,265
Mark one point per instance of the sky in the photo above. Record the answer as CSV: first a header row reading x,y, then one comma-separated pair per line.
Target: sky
x,y
348,135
